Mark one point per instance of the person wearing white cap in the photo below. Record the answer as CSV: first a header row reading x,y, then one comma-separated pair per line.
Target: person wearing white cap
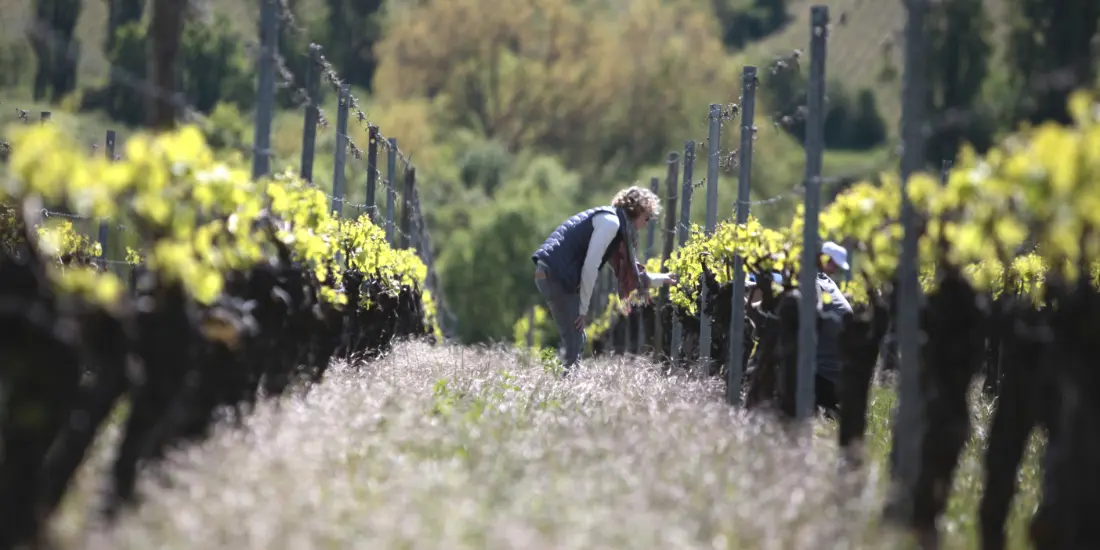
x,y
838,258
827,380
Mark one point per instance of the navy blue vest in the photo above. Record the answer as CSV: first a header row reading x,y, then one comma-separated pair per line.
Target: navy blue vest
x,y
565,249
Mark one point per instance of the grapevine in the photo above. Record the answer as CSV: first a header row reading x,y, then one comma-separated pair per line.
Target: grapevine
x,y
199,219
239,289
1008,221
1040,189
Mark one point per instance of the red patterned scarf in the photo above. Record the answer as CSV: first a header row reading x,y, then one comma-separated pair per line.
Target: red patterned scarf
x,y
630,277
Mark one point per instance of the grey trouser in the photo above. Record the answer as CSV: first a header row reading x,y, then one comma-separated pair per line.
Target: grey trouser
x,y
565,307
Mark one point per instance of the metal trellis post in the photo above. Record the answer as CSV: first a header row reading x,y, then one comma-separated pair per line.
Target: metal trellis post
x,y
313,111
714,139
406,206
651,233
666,252
265,93
807,276
909,419
341,151
391,183
104,235
734,366
372,172
683,230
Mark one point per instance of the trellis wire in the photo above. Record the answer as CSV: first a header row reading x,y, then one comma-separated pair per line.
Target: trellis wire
x,y
412,233
677,228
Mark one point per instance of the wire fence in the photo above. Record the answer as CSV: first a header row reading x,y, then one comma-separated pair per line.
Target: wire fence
x,y
733,155
399,212
918,123
731,152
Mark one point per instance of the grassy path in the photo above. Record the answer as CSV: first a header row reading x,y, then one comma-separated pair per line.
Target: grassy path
x,y
459,448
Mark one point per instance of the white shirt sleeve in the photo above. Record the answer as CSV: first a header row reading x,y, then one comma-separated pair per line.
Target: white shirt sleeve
x,y
658,279
604,228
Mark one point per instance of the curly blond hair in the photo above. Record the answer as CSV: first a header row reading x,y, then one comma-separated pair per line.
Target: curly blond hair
x,y
637,201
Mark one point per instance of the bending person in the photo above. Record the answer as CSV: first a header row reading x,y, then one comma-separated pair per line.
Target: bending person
x,y
566,264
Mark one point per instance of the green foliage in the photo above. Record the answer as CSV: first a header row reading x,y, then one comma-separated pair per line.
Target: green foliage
x,y
959,39
1034,191
484,165
215,69
216,66
485,266
122,102
55,71
228,127
198,219
745,21
764,248
119,13
850,122
582,80
538,324
1051,51
853,123
15,64
353,27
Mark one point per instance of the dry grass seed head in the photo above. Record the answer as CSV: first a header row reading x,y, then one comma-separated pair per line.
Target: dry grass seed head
x,y
617,455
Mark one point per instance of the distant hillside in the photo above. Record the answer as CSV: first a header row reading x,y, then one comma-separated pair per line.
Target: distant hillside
x,y
860,33
861,29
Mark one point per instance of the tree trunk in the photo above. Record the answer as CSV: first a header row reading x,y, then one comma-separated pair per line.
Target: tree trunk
x,y
165,33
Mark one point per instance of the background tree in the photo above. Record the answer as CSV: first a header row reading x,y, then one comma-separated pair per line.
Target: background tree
x,y
352,30
57,53
213,67
1053,45
745,21
295,36
119,13
851,123
959,33
166,32
590,84
485,268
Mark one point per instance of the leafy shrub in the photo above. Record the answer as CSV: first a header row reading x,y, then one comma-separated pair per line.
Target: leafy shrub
x,y
215,68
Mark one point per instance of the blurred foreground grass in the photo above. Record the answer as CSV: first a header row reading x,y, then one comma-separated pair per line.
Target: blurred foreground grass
x,y
461,448
960,525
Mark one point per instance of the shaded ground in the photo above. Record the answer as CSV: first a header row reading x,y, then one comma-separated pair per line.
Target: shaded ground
x,y
459,448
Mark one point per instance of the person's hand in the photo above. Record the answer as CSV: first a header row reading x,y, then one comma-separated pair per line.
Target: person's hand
x,y
580,322
673,279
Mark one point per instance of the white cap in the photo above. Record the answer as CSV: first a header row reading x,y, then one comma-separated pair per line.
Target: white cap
x,y
837,253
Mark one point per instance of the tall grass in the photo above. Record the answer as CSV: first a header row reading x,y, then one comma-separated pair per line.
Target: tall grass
x,y
454,447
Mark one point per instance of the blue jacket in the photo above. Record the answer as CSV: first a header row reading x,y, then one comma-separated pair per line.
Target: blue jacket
x,y
565,249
